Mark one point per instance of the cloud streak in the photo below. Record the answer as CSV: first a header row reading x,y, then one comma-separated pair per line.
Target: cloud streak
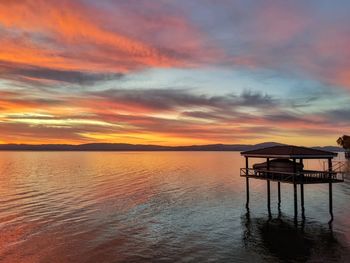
x,y
22,72
74,36
160,116
85,57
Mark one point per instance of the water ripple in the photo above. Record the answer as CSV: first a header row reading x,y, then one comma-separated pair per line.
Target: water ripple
x,y
157,207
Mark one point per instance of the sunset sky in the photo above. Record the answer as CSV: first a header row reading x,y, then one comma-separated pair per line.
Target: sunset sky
x,y
174,72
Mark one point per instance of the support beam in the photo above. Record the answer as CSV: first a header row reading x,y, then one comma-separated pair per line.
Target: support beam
x,y
295,192
331,200
302,200
268,188
295,202
330,168
302,194
279,198
269,197
247,181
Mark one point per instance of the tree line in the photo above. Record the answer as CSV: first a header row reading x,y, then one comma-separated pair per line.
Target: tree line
x,y
344,141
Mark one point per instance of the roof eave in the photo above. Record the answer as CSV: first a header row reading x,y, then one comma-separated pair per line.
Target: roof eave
x,y
290,156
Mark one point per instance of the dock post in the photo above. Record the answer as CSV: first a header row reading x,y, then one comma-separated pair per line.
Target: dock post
x,y
295,202
279,198
247,181
331,200
302,193
295,193
268,187
269,197
302,200
330,168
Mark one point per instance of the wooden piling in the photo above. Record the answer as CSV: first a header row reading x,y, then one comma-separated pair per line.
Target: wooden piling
x,y
268,187
302,200
302,193
330,168
295,191
247,181
268,197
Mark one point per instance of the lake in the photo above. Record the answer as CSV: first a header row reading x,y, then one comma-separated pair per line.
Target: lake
x,y
159,207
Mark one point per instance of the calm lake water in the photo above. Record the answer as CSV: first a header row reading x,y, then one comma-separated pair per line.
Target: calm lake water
x,y
158,207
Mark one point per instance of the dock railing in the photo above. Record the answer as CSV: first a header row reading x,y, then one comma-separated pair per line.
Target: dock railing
x,y
337,166
305,176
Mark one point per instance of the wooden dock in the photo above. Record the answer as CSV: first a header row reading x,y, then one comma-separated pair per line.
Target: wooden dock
x,y
296,175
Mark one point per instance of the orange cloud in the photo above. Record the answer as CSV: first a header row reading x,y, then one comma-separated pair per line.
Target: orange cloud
x,y
50,47
71,35
158,117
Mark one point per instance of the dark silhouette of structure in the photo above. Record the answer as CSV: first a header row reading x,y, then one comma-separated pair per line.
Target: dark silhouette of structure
x,y
284,164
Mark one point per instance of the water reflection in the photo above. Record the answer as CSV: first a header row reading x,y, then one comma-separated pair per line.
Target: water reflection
x,y
151,207
281,239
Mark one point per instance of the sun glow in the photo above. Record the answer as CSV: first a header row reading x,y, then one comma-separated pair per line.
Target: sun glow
x,y
85,71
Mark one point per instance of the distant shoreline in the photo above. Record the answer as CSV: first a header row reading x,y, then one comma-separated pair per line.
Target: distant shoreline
x,y
123,147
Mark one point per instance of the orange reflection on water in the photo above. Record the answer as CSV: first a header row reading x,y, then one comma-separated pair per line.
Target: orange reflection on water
x,y
137,206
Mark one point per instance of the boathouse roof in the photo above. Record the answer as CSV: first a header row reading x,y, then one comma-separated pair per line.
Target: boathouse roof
x,y
290,152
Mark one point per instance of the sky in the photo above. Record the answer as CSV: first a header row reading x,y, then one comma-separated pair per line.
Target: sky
x,y
174,72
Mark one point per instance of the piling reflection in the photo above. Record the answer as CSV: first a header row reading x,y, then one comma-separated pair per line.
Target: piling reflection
x,y
281,239
157,207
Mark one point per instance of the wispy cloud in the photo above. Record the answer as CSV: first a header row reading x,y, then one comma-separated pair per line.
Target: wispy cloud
x,y
64,57
40,75
159,116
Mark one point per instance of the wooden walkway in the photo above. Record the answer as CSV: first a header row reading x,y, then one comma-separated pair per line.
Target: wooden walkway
x,y
303,177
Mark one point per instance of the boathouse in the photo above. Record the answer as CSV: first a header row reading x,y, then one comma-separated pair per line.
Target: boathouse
x,y
284,164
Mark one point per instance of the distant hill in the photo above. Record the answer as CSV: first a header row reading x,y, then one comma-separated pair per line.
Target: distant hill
x,y
329,148
142,147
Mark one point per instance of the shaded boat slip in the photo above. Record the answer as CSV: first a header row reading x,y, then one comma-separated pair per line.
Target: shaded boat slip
x,y
288,167
279,165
